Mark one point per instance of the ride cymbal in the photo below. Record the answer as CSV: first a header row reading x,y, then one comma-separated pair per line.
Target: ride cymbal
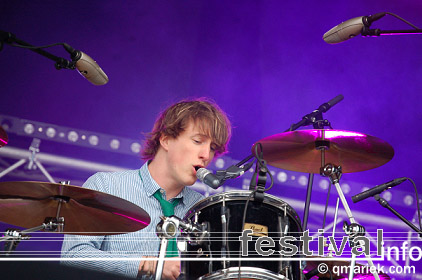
x,y
85,211
308,150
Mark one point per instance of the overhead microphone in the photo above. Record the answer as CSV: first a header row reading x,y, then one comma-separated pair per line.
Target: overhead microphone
x,y
326,106
350,28
87,67
378,189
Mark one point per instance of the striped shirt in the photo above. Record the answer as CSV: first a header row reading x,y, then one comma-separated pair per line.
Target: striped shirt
x,y
138,187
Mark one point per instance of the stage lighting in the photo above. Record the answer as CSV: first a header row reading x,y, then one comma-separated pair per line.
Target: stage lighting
x,y
93,140
387,195
29,128
324,184
282,176
72,136
303,180
114,144
135,148
408,200
50,132
219,163
345,187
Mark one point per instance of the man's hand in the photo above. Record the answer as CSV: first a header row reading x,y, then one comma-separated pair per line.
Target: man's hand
x,y
171,269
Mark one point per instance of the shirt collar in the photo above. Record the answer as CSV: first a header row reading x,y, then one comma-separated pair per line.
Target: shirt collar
x,y
151,186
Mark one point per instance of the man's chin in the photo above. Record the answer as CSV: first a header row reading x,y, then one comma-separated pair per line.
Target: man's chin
x,y
191,182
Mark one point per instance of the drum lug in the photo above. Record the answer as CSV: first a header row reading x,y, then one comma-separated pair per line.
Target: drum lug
x,y
199,252
197,216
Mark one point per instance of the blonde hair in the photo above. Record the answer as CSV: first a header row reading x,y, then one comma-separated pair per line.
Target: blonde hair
x,y
212,121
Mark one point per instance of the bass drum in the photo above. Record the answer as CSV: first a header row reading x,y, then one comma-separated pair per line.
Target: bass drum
x,y
218,256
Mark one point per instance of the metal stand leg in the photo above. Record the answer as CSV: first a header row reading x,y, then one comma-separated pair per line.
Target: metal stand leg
x,y
34,149
12,167
308,201
160,263
12,237
44,171
334,173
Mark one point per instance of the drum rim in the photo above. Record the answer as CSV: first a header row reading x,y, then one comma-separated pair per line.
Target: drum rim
x,y
254,271
236,195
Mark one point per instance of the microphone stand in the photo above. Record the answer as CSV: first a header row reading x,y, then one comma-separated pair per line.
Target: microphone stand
x,y
385,204
366,31
61,63
315,118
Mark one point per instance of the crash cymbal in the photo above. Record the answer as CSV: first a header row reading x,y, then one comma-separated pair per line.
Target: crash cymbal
x,y
302,150
3,137
342,267
86,212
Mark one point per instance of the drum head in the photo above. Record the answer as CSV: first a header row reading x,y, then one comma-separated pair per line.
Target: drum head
x,y
246,273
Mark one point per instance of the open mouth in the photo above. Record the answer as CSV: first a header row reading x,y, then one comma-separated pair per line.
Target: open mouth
x,y
197,167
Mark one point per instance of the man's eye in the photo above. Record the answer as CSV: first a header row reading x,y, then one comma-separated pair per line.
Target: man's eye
x,y
197,141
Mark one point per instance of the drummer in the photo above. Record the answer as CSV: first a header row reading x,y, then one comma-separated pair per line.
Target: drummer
x,y
186,135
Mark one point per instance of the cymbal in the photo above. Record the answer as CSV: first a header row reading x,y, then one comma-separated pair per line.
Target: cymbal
x,y
86,212
3,137
343,268
302,150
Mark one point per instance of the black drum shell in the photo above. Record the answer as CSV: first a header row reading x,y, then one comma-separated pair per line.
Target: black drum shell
x,y
272,213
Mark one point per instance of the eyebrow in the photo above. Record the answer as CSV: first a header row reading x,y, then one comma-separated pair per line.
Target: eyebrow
x,y
202,135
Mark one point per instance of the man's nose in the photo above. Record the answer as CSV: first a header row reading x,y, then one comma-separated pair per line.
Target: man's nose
x,y
205,153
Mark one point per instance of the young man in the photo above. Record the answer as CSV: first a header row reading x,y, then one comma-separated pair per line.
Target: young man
x,y
186,135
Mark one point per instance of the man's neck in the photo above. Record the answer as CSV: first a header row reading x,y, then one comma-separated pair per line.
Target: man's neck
x,y
159,173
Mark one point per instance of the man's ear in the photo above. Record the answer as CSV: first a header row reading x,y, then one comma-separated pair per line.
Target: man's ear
x,y
164,141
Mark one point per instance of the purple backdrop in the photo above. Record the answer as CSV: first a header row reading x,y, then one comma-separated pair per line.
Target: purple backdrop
x,y
263,62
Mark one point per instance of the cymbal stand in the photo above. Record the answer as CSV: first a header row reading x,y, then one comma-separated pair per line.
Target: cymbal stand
x,y
318,122
334,172
167,229
354,229
33,163
330,247
12,237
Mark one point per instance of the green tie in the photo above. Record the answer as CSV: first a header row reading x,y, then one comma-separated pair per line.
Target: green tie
x,y
168,210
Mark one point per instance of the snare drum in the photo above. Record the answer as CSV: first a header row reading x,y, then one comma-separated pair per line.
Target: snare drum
x,y
223,214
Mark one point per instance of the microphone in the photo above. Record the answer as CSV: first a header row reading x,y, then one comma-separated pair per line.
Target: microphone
x,y
312,118
207,177
350,28
326,106
378,189
87,67
216,180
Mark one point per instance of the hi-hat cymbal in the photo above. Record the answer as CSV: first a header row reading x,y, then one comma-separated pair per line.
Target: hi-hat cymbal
x,y
3,137
342,267
86,212
302,150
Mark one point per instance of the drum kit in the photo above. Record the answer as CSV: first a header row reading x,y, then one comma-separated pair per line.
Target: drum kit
x,y
217,254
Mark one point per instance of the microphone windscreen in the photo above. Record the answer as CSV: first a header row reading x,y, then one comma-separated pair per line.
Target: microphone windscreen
x,y
344,31
88,68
